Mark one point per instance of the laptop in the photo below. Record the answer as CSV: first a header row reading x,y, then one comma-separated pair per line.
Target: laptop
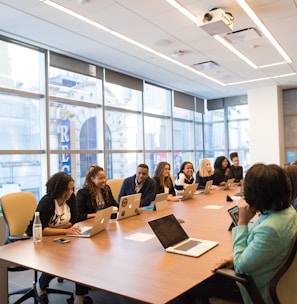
x,y
99,224
207,188
228,184
160,201
189,192
129,206
174,239
241,192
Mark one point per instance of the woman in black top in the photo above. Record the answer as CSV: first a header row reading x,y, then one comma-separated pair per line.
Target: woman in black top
x,y
164,182
94,195
222,169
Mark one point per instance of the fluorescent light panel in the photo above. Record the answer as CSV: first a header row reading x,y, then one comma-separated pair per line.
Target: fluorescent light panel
x,y
263,28
123,37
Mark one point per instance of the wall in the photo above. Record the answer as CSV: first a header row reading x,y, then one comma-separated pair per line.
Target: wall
x,y
266,125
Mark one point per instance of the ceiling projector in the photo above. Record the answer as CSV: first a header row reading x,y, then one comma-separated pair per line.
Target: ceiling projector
x,y
217,22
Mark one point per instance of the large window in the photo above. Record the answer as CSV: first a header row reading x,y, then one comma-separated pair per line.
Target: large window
x,y
61,114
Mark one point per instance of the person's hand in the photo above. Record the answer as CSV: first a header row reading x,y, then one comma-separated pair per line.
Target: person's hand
x,y
172,198
226,262
227,171
246,213
74,230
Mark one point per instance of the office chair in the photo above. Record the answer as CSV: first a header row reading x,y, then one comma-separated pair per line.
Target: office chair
x,y
18,209
282,286
115,186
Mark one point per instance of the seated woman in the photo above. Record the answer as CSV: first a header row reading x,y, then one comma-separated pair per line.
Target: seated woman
x,y
254,248
204,174
222,169
164,182
58,213
94,195
236,171
185,175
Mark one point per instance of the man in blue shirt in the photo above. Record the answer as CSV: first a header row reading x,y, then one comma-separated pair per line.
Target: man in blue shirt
x,y
142,183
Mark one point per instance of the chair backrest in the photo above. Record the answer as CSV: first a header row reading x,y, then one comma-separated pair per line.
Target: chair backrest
x,y
115,186
18,209
283,286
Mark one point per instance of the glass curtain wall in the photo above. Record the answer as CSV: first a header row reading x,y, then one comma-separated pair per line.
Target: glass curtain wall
x,y
290,124
59,113
226,129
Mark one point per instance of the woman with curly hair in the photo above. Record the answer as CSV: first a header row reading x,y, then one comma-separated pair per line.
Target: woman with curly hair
x,y
222,169
94,195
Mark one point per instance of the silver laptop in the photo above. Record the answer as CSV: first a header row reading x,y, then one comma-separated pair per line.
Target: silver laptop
x,y
228,184
189,192
129,206
207,188
100,223
160,201
174,239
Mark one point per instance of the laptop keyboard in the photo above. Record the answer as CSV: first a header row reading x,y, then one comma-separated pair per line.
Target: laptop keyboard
x,y
188,245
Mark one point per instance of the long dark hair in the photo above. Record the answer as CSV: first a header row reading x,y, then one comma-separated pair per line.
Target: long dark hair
x,y
267,187
90,186
57,184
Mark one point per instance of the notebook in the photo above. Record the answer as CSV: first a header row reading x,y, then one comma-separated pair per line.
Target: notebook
x,y
229,183
99,224
207,188
189,192
129,206
174,239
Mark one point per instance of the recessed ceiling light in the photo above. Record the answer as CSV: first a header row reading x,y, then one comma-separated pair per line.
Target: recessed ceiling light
x,y
163,42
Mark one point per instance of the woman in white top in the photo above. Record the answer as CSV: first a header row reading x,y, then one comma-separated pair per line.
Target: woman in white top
x,y
185,176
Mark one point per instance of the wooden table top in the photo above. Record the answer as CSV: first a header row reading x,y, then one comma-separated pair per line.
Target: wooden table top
x,y
140,270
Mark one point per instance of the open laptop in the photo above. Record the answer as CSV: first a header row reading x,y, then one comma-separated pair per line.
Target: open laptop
x,y
228,184
207,188
129,206
189,192
160,201
174,239
100,222
241,192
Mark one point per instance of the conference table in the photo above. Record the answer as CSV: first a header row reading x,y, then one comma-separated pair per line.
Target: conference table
x,y
127,259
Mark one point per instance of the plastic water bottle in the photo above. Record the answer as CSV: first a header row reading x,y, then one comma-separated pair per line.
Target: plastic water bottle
x,y
37,228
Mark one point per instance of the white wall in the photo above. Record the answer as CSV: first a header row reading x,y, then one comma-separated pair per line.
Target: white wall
x,y
266,126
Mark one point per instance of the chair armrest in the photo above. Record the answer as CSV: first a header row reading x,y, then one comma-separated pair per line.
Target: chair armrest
x,y
246,280
14,238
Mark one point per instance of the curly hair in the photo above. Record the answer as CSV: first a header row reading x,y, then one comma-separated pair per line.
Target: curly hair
x,y
57,184
267,187
182,167
164,181
218,162
90,186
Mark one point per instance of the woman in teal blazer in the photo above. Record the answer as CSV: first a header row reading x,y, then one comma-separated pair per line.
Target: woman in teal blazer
x,y
259,249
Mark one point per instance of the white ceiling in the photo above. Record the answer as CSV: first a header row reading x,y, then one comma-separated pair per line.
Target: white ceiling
x,y
152,22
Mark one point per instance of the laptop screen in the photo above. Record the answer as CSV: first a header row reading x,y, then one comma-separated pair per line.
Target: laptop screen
x,y
168,230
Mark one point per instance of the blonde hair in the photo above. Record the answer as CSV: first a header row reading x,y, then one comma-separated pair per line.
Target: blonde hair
x,y
202,168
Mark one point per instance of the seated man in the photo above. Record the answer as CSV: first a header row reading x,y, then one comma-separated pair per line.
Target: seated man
x,y
140,183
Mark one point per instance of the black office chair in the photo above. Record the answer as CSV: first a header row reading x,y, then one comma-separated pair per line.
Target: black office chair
x,y
18,209
282,286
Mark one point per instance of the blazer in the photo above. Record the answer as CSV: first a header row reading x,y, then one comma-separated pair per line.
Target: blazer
x,y
148,189
261,250
160,189
86,205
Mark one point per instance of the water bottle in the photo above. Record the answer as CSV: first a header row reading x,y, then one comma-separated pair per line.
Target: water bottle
x,y
37,228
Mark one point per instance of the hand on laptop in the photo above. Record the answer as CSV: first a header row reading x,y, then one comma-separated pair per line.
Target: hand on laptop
x,y
74,230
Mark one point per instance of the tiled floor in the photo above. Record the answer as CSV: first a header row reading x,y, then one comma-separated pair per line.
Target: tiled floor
x,y
18,280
